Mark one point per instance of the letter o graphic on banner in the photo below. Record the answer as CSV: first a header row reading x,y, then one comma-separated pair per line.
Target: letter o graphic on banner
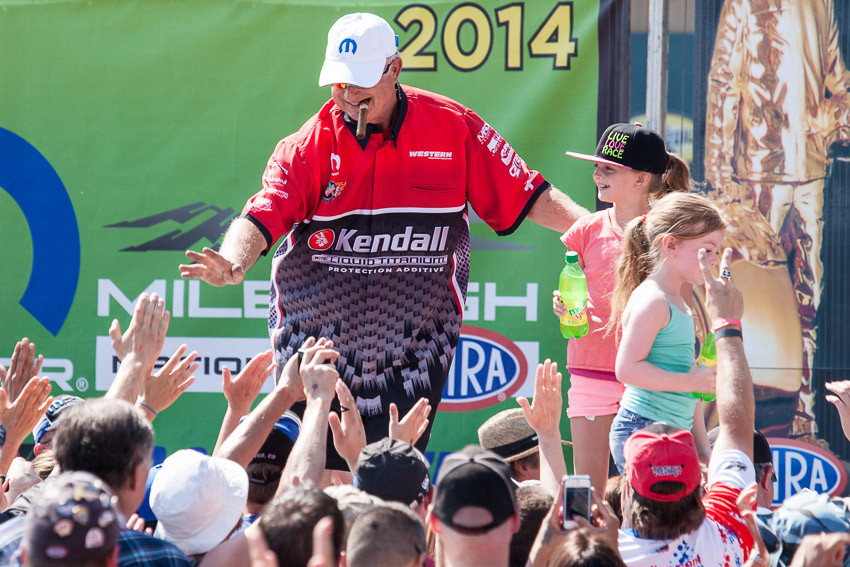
x,y
37,189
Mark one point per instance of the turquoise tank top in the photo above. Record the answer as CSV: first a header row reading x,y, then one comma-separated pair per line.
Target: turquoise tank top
x,y
672,350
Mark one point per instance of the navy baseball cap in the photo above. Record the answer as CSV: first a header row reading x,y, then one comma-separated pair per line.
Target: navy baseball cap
x,y
50,419
630,145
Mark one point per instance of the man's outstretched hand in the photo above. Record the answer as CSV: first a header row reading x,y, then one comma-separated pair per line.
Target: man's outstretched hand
x,y
212,267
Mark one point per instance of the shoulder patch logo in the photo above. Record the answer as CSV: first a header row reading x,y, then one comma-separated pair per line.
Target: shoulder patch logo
x,y
332,191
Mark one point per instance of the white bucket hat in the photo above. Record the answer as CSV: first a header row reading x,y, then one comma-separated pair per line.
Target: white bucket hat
x,y
358,47
197,500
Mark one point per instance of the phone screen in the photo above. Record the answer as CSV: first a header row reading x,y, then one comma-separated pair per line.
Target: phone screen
x,y
576,500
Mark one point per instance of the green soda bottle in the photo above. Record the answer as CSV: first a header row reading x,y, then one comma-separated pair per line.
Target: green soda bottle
x,y
707,359
573,287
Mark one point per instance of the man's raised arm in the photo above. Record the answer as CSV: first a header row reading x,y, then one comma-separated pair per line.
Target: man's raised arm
x,y
735,400
243,243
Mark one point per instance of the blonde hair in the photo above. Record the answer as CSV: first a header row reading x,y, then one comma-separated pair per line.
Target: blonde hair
x,y
677,178
683,215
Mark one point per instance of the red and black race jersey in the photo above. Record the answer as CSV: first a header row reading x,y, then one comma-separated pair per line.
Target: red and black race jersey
x,y
375,253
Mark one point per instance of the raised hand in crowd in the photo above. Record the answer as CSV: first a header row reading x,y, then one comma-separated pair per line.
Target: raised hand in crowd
x,y
821,550
319,376
746,502
411,427
544,416
349,436
162,388
21,416
840,398
240,392
124,344
140,346
24,365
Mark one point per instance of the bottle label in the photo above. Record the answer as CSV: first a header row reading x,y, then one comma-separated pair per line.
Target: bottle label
x,y
576,314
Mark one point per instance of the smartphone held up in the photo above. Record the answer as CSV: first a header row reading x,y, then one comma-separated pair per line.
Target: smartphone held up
x,y
576,500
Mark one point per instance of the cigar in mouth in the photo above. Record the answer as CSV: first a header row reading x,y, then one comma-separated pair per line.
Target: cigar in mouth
x,y
361,120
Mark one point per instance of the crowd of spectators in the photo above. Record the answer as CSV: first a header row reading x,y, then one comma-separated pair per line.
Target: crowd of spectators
x,y
90,496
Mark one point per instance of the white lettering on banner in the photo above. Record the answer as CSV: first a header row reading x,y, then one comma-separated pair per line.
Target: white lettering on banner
x,y
254,299
474,379
491,301
59,370
177,298
198,312
214,353
792,481
472,307
106,289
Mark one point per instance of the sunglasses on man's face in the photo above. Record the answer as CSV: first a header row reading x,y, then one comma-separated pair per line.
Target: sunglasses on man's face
x,y
344,86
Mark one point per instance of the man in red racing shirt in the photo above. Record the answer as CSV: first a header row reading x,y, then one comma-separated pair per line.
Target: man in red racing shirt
x,y
375,251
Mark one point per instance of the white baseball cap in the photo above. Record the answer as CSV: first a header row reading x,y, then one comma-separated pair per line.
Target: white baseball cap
x,y
358,47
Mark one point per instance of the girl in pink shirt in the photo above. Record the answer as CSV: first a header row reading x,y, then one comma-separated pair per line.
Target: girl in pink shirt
x,y
633,168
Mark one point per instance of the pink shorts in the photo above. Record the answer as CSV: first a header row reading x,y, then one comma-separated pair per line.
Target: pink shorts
x,y
589,397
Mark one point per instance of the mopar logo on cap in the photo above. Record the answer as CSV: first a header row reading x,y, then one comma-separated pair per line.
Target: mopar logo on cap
x,y
348,45
487,369
321,239
803,465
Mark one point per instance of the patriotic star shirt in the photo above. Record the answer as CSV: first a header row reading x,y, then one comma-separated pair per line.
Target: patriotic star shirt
x,y
375,249
722,540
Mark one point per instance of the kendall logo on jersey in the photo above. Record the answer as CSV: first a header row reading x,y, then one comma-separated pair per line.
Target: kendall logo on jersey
x,y
802,465
487,369
351,241
321,239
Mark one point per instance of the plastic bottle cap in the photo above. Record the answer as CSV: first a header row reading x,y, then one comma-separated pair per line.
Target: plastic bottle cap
x,y
572,257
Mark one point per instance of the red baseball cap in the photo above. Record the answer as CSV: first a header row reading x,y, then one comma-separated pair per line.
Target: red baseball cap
x,y
655,457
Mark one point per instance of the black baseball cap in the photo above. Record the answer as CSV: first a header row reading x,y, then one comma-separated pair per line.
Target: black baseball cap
x,y
475,477
630,145
761,448
393,470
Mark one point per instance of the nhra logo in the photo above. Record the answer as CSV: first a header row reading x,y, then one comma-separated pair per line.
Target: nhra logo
x,y
321,240
802,465
487,369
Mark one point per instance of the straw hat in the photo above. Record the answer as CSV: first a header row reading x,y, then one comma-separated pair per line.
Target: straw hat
x,y
509,435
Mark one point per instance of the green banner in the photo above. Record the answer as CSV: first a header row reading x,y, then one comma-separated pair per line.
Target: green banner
x,y
132,131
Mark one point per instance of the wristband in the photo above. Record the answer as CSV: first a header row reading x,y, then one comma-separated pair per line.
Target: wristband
x,y
141,403
728,332
720,323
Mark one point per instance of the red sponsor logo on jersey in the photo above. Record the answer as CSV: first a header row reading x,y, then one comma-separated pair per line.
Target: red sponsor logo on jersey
x,y
321,239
